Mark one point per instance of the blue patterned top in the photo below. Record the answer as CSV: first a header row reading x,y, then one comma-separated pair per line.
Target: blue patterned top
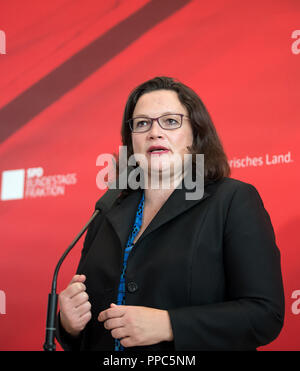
x,y
135,230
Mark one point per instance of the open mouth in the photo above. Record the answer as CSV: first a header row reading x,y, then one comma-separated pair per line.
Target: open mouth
x,y
157,150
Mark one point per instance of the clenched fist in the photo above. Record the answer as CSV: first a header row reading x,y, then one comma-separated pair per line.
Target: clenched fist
x,y
75,308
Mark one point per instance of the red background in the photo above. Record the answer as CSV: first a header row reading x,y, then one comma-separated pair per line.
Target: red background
x,y
68,69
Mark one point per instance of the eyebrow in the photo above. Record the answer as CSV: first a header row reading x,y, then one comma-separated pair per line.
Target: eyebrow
x,y
165,113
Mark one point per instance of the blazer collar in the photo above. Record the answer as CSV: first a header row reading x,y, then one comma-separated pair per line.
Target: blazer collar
x,y
122,215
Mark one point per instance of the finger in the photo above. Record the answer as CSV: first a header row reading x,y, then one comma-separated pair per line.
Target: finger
x,y
119,333
86,317
80,298
114,323
84,320
110,313
78,278
83,309
117,311
75,289
127,342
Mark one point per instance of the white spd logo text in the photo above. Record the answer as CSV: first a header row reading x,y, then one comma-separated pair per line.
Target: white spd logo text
x,y
32,183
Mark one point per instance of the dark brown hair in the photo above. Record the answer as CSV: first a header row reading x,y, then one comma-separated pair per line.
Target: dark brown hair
x,y
206,140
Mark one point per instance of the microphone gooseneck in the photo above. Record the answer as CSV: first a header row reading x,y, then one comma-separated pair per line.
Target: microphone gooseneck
x,y
49,344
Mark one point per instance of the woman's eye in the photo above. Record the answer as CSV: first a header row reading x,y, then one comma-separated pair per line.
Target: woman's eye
x,y
142,123
172,122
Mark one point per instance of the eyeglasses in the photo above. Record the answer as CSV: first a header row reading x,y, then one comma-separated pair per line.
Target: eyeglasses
x,y
170,121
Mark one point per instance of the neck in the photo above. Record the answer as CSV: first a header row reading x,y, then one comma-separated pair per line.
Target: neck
x,y
158,192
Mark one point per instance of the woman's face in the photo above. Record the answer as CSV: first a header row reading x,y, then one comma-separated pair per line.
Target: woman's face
x,y
175,142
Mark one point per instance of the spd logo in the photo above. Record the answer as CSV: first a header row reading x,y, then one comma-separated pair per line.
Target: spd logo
x,y
12,184
32,183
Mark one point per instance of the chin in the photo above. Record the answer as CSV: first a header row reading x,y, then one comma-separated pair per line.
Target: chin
x,y
159,165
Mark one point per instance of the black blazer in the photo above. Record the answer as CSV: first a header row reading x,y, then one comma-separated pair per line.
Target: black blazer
x,y
212,263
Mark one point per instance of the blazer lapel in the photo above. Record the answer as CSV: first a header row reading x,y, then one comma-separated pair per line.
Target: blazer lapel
x,y
175,205
122,216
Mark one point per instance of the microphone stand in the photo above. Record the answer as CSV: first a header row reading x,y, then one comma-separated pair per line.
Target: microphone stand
x,y
49,344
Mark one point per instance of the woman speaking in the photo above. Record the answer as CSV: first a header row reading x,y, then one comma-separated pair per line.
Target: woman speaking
x,y
159,271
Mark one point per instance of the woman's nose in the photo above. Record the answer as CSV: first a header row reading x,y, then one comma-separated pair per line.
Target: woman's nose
x,y
156,130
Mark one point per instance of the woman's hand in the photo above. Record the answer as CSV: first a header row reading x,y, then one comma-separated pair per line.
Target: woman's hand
x,y
136,325
75,308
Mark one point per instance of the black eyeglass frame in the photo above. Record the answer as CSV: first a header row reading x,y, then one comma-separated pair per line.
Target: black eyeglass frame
x,y
130,121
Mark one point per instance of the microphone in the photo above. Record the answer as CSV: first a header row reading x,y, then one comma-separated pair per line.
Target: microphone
x,y
104,204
